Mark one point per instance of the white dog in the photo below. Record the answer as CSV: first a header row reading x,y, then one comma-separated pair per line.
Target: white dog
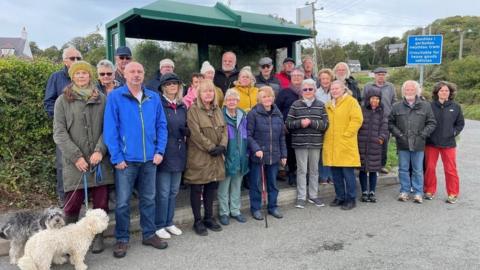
x,y
74,239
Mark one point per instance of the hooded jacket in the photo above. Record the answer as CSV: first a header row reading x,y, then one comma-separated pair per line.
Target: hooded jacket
x,y
450,123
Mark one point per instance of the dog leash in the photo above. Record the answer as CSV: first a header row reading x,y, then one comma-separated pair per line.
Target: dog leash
x,y
97,170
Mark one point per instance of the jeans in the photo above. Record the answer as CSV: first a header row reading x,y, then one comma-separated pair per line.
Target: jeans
x,y
59,169
255,191
307,158
324,172
141,176
229,200
344,183
167,186
372,181
404,160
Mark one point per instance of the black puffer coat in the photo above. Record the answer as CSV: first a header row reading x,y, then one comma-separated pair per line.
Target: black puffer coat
x,y
374,128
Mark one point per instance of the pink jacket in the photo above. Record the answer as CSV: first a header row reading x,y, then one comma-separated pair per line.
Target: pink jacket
x,y
190,97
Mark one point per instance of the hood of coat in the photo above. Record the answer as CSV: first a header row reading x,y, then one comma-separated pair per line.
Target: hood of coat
x,y
376,92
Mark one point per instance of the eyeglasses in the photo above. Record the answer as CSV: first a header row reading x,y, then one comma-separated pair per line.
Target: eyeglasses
x,y
75,58
105,74
308,89
265,66
124,57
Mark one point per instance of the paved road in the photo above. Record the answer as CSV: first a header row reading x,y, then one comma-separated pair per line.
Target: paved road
x,y
386,235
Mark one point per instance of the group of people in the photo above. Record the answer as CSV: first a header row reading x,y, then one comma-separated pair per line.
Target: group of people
x,y
231,127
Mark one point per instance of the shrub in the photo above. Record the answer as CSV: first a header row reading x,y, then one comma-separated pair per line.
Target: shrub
x,y
26,144
465,73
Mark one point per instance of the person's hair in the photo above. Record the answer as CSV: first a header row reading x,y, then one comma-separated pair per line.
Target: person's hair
x,y
69,48
346,67
205,85
418,88
232,93
179,95
298,70
451,87
306,57
106,63
247,70
309,82
197,75
230,52
265,90
327,71
341,83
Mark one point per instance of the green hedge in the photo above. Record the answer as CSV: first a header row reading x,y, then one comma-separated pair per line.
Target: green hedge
x,y
27,149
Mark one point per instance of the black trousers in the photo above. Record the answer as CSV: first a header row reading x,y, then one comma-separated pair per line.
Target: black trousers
x,y
291,158
208,191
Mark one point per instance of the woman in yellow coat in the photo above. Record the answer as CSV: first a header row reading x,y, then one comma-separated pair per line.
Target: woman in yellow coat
x,y
340,146
245,86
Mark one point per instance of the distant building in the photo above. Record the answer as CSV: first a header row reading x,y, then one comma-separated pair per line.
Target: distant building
x,y
18,46
395,48
354,65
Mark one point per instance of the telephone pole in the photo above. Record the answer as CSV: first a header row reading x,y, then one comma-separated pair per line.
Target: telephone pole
x,y
314,30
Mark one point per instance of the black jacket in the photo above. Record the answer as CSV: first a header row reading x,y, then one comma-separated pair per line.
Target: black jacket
x,y
272,82
222,81
352,85
154,84
311,136
450,123
266,133
411,125
285,99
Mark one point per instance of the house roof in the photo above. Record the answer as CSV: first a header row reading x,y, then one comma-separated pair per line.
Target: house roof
x,y
13,43
182,22
353,62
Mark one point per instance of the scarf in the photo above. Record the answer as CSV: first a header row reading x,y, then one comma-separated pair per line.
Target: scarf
x,y
85,93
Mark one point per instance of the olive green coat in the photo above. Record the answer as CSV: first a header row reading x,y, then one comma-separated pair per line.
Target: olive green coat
x,y
208,129
78,132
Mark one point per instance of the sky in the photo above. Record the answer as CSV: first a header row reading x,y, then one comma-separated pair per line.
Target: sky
x,y
55,22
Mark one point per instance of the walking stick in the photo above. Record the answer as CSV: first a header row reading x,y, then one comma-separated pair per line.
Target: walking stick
x,y
264,195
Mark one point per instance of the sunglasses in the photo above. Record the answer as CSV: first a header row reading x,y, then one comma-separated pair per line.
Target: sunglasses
x,y
124,57
308,89
105,74
171,83
265,66
75,58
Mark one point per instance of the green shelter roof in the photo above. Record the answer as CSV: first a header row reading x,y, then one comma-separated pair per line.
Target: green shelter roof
x,y
182,22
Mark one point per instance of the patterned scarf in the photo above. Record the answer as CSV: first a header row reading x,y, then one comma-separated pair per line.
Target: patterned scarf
x,y
85,93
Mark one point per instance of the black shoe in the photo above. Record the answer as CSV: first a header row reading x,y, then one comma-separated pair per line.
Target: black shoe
x,y
276,213
257,215
336,203
200,228
365,197
349,205
292,179
372,198
211,224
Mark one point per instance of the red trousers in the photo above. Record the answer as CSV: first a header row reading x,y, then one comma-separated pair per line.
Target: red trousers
x,y
75,199
449,159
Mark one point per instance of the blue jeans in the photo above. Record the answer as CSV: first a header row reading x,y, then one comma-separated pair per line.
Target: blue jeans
x,y
372,181
404,160
167,186
344,183
324,172
255,191
141,176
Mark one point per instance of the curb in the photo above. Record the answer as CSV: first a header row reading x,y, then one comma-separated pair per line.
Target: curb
x,y
183,215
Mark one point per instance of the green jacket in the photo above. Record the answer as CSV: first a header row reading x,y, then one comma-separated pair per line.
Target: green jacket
x,y
78,132
236,160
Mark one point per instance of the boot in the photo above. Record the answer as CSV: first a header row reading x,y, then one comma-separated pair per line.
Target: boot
x,y
71,219
97,245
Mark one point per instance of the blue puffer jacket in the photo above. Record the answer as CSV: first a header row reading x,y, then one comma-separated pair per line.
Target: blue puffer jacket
x,y
175,156
266,133
134,131
236,159
55,86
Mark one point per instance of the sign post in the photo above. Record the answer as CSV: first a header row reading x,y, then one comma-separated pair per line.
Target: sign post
x,y
424,50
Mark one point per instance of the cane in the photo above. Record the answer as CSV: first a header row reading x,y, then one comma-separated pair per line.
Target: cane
x,y
264,195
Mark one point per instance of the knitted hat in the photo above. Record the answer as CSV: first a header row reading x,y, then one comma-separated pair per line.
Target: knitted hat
x,y
81,65
206,67
166,62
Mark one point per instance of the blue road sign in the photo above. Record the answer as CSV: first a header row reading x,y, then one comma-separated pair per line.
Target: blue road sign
x,y
424,50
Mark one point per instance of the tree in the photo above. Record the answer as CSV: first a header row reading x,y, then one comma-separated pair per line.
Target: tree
x,y
332,53
92,47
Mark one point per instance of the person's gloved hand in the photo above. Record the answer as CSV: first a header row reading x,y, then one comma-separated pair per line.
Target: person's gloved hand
x,y
217,151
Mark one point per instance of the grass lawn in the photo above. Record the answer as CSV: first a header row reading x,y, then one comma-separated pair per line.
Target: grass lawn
x,y
392,157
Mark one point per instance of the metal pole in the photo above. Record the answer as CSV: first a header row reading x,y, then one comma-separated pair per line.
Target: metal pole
x,y
460,51
315,69
422,67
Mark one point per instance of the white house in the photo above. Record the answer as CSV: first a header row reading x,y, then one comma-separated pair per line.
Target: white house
x,y
19,46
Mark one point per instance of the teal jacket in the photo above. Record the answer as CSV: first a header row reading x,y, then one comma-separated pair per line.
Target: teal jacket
x,y
236,160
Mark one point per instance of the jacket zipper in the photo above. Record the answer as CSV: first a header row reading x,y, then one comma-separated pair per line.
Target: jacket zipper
x,y
143,131
271,140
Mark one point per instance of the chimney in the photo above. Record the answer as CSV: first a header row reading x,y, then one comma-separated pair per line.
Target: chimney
x,y
24,33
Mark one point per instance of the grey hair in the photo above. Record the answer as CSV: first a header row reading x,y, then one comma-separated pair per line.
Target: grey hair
x,y
346,66
345,88
309,82
418,88
232,93
69,48
106,63
298,70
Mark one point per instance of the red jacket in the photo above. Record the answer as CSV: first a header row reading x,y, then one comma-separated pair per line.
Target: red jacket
x,y
283,78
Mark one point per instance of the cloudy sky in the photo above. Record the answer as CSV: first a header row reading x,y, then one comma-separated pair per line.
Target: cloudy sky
x,y
54,22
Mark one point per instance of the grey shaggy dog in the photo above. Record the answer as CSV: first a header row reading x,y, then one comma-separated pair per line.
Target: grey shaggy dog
x,y
20,226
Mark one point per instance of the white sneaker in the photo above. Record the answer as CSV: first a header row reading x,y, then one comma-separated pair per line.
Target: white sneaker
x,y
162,233
174,230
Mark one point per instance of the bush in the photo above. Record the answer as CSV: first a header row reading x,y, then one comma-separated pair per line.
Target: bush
x,y
26,144
471,111
466,72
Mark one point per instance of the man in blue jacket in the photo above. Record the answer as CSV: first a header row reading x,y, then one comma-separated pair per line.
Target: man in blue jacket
x,y
135,132
55,85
